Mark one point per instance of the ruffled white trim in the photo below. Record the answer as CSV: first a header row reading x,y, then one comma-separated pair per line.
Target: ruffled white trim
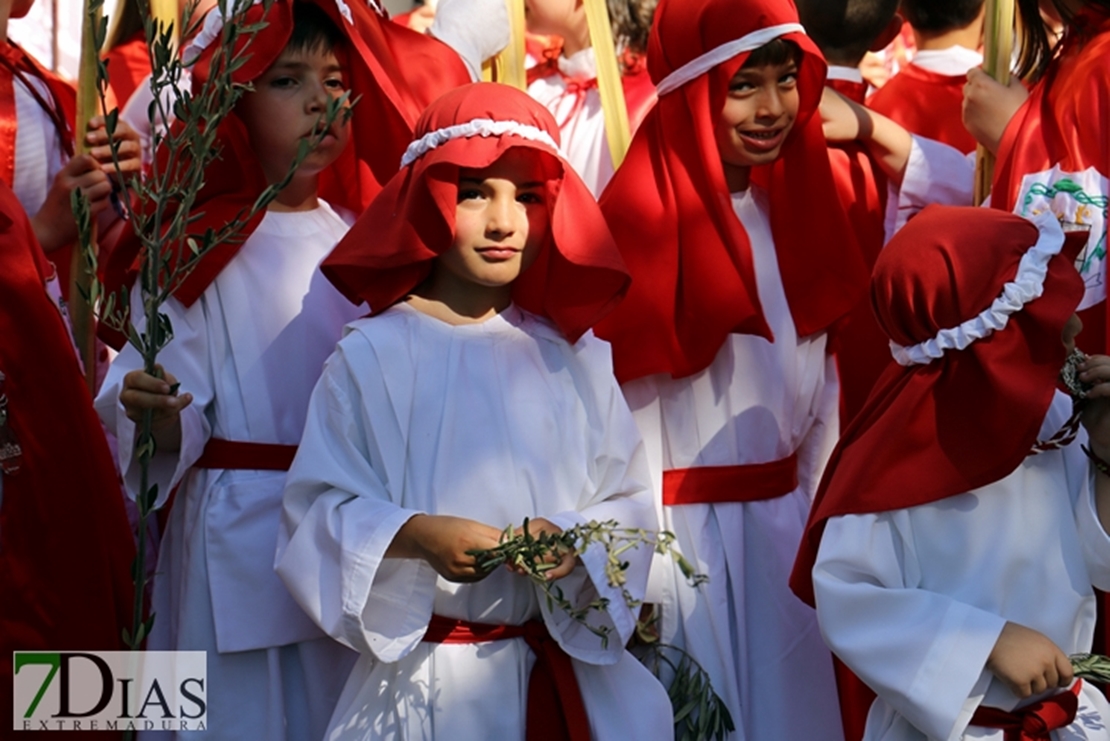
x,y
1027,285
475,127
210,30
723,53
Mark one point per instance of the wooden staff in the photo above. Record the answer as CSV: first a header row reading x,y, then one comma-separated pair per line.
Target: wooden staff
x,y
998,47
617,129
80,277
165,12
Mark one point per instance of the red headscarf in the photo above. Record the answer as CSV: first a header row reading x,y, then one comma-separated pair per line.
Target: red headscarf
x,y
966,417
381,123
578,276
672,215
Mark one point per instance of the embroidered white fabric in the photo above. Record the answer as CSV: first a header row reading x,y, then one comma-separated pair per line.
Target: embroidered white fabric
x,y
699,66
475,127
1027,285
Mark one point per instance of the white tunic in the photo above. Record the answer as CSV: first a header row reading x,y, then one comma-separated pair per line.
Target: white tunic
x,y
495,421
758,402
249,351
581,127
914,599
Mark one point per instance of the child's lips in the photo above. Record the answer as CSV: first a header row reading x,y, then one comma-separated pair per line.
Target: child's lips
x,y
497,252
763,140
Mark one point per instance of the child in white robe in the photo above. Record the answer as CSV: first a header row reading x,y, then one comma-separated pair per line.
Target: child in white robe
x,y
723,345
252,325
958,529
475,397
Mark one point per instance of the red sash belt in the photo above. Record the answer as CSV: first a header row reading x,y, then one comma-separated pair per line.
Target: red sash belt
x,y
1034,722
745,483
555,708
240,456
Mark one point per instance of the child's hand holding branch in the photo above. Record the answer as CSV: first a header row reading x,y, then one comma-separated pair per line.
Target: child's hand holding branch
x,y
444,541
562,564
142,391
1028,662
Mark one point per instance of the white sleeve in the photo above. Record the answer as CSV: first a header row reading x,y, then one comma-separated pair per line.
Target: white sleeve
x,y
1092,537
922,652
622,492
185,358
476,29
338,521
935,173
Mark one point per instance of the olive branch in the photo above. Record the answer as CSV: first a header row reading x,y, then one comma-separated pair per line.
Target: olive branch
x,y
699,713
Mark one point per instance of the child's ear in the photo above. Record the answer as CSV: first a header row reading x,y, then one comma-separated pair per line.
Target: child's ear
x,y
889,33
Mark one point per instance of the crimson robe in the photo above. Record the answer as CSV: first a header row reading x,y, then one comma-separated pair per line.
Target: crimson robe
x,y
926,103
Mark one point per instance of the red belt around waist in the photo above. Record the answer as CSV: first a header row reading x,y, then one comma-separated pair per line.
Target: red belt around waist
x,y
1033,722
555,708
240,456
744,483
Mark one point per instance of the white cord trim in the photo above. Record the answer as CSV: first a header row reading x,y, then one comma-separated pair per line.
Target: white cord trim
x,y
213,25
1027,285
699,66
475,127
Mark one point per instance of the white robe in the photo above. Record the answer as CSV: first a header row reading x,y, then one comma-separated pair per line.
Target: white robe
x,y
757,402
913,600
582,135
495,421
249,350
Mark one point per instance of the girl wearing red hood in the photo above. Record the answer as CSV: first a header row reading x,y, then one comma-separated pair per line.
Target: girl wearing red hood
x,y
252,326
473,398
741,260
959,527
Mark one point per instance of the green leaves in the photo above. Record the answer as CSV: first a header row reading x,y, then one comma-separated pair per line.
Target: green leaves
x,y
1093,667
699,713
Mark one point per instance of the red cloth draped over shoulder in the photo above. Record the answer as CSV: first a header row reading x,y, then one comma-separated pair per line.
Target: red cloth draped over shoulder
x,y
861,346
65,544
1064,123
964,420
578,275
672,217
926,103
392,71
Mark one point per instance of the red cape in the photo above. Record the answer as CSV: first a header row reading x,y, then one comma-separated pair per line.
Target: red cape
x,y
926,103
1064,123
65,544
128,65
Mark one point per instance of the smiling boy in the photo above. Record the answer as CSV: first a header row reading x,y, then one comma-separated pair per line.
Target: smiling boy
x,y
726,214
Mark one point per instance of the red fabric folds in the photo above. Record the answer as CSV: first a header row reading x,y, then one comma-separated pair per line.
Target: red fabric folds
x,y
1063,123
576,279
555,708
927,103
1033,722
672,217
65,544
969,418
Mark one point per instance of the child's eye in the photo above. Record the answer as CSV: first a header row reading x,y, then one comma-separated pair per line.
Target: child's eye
x,y
741,87
335,83
283,82
530,198
469,194
790,78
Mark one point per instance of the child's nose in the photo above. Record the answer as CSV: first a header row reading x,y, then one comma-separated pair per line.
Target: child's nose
x,y
500,215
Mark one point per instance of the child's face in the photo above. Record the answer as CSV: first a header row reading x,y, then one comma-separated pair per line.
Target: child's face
x,y
553,16
288,104
500,221
759,112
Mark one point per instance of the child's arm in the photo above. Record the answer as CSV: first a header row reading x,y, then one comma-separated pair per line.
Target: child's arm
x,y
923,652
845,120
93,173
